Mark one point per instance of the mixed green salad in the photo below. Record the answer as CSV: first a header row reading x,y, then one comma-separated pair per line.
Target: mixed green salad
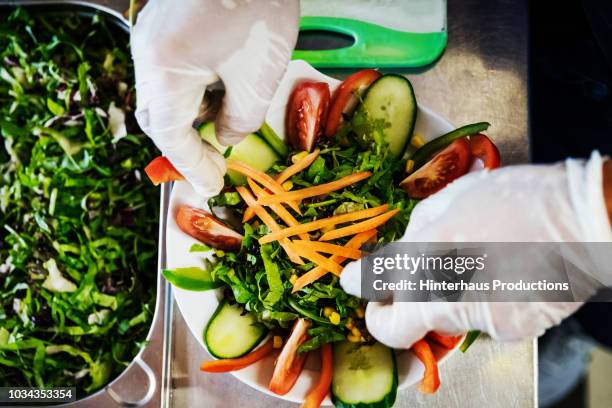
x,y
348,181
78,228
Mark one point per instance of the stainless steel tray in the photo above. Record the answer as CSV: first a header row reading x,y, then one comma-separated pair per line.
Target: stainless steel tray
x,y
145,381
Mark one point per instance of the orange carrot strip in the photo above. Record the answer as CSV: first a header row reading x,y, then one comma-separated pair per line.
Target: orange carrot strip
x,y
431,377
262,178
323,222
313,191
232,364
317,394
328,248
317,273
269,221
319,259
277,208
297,167
359,227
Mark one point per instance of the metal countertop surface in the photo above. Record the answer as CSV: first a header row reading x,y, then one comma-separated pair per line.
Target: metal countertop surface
x,y
482,76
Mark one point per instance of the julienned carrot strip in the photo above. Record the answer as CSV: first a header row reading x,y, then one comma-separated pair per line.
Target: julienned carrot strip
x,y
233,364
316,273
328,248
319,259
316,395
269,221
431,377
359,227
277,208
324,222
314,191
448,342
297,167
262,178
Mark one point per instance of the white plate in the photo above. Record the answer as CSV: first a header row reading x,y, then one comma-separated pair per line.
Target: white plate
x,y
198,307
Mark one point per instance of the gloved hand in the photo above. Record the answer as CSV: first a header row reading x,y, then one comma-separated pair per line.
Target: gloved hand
x,y
558,203
180,48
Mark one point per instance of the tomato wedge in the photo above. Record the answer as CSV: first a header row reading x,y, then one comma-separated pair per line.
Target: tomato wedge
x,y
233,364
346,98
316,395
160,170
448,342
204,227
306,112
431,377
449,164
483,148
289,363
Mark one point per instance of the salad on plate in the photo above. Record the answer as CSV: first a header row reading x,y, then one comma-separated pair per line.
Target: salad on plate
x,y
294,211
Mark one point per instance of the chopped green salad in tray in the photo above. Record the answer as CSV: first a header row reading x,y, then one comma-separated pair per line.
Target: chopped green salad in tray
x,y
78,228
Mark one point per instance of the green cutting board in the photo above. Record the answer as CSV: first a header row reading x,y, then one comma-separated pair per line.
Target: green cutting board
x,y
385,33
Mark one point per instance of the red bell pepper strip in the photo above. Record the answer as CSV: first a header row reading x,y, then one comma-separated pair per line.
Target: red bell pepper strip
x,y
317,394
233,364
431,378
289,363
160,170
448,342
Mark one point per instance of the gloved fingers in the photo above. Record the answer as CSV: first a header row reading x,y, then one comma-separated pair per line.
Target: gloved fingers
x,y
251,75
168,104
350,279
397,325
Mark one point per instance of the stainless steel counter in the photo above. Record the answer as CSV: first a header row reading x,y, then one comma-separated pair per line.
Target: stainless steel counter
x,y
482,76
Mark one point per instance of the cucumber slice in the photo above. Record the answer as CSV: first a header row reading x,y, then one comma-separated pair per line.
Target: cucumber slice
x,y
231,333
253,150
390,100
196,279
270,136
365,376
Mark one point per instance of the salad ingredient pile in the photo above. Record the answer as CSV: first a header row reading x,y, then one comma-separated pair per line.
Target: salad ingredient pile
x,y
348,186
78,228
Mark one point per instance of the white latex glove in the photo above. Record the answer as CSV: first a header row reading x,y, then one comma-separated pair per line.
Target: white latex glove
x,y
558,203
182,47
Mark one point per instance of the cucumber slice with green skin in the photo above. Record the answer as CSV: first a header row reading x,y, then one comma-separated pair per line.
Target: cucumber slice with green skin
x,y
390,100
196,279
422,155
252,150
365,376
270,136
231,333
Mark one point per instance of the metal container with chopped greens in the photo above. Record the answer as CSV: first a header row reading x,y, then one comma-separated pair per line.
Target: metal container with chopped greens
x,y
78,229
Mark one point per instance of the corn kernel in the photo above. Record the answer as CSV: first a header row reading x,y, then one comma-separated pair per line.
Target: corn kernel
x,y
353,339
360,312
298,156
277,342
355,332
287,185
417,141
334,318
328,311
409,166
293,278
349,323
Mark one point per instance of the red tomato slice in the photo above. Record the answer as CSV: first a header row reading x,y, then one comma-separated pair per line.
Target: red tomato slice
x,y
160,170
289,364
449,164
483,148
346,98
306,111
205,228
